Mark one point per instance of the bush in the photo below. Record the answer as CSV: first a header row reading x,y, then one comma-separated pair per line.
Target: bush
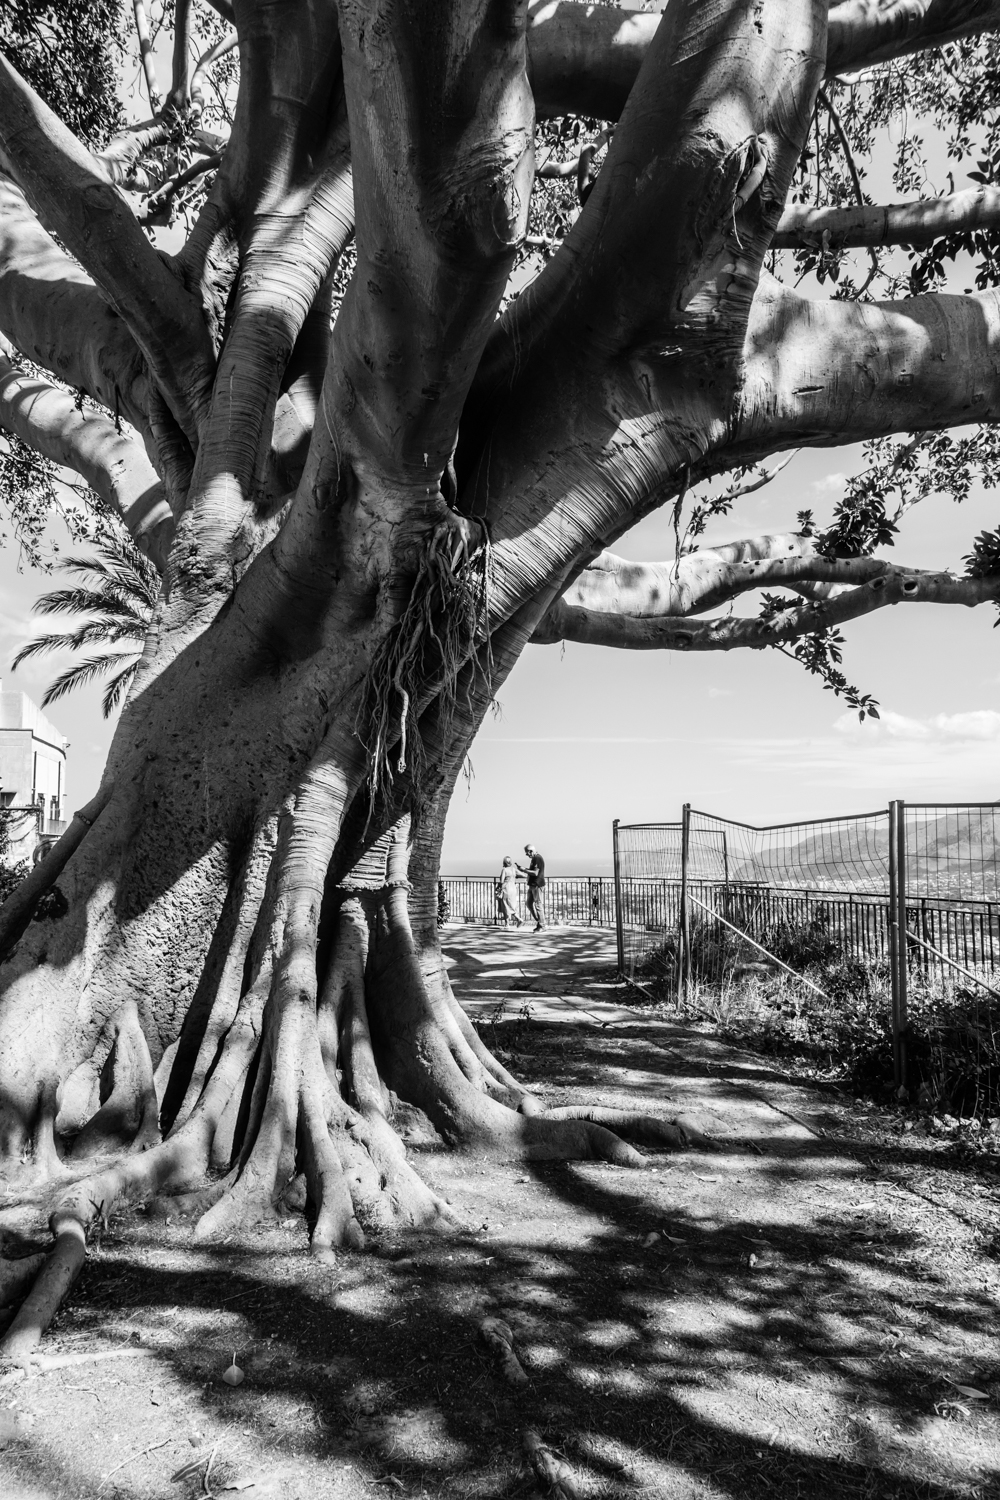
x,y
10,875
953,1046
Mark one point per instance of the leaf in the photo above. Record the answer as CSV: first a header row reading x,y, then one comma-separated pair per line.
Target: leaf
x,y
970,1391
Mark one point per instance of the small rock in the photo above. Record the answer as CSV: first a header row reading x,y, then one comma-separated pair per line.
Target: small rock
x,y
651,1239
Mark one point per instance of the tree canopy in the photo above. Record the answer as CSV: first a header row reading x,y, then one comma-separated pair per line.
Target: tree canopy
x,y
461,291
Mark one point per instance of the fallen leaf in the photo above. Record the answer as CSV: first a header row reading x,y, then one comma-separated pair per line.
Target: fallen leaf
x,y
970,1391
702,1178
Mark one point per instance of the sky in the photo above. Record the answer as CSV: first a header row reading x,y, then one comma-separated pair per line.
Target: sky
x,y
584,735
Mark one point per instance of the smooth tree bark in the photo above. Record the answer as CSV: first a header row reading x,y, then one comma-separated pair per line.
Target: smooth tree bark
x,y
234,975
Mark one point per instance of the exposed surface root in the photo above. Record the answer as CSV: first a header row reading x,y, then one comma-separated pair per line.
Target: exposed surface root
x,y
61,1268
16,1277
499,1339
129,1116
281,1095
679,1134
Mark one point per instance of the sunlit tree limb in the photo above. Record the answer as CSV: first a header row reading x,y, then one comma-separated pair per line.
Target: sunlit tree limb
x,y
710,576
73,199
917,223
585,58
840,372
55,315
113,463
894,585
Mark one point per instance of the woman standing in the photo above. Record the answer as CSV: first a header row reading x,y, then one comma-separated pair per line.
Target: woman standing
x,y
507,893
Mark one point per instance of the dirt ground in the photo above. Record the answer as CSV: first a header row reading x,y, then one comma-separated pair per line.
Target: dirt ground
x,y
795,1315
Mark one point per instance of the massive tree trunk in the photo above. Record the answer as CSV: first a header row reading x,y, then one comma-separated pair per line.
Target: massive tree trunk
x,y
235,974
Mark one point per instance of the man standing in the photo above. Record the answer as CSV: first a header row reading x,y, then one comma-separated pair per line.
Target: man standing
x,y
535,871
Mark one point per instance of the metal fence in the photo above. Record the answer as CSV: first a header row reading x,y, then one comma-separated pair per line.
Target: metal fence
x,y
911,890
582,901
912,887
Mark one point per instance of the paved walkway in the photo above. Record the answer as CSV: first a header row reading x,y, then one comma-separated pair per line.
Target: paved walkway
x,y
568,975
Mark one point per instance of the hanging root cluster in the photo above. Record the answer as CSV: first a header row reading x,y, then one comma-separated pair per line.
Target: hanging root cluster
x,y
446,617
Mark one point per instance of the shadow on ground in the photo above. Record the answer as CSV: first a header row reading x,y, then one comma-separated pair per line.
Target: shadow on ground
x,y
792,1316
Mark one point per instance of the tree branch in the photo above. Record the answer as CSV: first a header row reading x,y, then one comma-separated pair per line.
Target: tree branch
x,y
441,126
585,59
825,373
283,196
180,81
709,577
894,586
866,32
67,190
55,315
146,53
438,255
916,224
643,312
120,156
112,463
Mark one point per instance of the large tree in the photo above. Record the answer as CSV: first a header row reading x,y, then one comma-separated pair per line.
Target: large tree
x,y
372,467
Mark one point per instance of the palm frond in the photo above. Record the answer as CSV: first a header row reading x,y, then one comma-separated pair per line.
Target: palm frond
x,y
87,601
118,687
115,598
121,567
81,673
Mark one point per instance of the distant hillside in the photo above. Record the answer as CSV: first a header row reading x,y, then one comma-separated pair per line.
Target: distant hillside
x,y
950,852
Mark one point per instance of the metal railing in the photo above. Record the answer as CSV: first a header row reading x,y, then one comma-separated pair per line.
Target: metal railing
x,y
570,901
914,887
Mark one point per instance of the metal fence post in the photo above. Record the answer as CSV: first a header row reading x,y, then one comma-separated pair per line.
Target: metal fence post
x,y
619,924
902,1017
683,926
897,937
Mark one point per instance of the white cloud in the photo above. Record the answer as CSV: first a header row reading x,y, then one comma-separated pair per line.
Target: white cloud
x,y
830,484
714,692
941,729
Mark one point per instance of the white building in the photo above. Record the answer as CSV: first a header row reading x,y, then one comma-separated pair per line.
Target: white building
x,y
32,776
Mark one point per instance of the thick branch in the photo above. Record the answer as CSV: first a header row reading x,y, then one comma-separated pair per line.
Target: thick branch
x,y
916,223
708,578
180,83
284,191
433,256
112,463
146,52
839,372
73,199
56,316
585,59
638,325
895,586
441,129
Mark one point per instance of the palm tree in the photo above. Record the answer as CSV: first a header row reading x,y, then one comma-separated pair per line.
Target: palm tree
x,y
117,595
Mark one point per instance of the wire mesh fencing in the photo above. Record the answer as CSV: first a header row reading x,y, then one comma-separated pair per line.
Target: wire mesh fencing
x,y
902,903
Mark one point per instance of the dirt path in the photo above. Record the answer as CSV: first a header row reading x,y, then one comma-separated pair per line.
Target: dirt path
x,y
790,1316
